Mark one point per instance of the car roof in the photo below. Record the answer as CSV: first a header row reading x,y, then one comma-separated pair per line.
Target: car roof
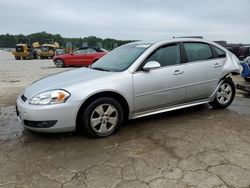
x,y
174,40
51,45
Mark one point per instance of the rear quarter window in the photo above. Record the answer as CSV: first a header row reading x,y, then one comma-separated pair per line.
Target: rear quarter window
x,y
198,51
219,52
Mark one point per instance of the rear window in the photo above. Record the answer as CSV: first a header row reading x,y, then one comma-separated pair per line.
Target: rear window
x,y
198,51
19,48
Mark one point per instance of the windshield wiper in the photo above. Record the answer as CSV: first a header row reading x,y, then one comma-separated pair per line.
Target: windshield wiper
x,y
101,69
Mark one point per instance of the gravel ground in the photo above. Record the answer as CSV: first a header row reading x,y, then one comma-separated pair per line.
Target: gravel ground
x,y
195,147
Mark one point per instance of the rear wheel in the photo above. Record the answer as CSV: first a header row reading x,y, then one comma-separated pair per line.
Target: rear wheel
x,y
59,63
225,94
102,117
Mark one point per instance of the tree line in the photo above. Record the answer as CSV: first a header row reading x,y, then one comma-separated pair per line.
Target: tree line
x,y
10,41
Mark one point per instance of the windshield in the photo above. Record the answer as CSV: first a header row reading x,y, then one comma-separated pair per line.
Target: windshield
x,y
120,58
44,48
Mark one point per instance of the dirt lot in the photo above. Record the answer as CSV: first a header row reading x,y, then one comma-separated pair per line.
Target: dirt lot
x,y
194,147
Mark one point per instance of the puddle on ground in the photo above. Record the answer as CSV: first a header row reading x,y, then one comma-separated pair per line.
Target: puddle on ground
x,y
11,81
49,67
243,94
10,128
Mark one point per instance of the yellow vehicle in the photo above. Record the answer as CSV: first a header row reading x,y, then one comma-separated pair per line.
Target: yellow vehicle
x,y
48,50
25,51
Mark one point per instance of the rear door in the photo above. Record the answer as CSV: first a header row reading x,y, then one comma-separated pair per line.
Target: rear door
x,y
90,56
203,69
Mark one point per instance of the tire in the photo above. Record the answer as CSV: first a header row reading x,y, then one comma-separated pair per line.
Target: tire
x,y
17,58
59,63
247,79
102,117
225,94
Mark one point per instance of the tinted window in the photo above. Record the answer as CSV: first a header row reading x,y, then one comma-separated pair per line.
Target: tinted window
x,y
169,55
198,51
219,52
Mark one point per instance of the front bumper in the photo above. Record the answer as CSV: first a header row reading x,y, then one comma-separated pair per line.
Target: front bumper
x,y
47,118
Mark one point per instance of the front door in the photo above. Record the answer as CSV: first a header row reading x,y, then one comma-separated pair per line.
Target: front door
x,y
160,87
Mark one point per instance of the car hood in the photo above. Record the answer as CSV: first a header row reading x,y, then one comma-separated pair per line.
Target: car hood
x,y
64,80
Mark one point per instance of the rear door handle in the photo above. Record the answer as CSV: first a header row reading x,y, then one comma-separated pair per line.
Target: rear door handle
x,y
177,72
217,65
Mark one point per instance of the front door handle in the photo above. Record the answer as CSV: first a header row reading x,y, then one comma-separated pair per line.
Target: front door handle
x,y
217,65
177,72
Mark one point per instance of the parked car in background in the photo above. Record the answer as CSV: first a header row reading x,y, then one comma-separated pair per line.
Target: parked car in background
x,y
82,57
244,52
134,80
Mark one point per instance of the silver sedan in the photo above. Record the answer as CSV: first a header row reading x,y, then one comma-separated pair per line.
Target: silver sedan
x,y
135,80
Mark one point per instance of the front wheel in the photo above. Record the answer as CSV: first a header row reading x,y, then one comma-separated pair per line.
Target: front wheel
x,y
102,117
225,94
59,63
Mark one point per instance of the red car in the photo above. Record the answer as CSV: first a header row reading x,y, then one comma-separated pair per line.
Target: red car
x,y
82,57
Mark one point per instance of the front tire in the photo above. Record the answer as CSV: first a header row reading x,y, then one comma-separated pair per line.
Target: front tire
x,y
102,117
59,63
225,94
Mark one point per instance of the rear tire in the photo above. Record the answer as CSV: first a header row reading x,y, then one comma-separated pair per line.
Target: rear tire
x,y
102,117
225,94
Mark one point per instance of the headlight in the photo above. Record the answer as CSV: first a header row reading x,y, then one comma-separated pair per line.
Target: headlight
x,y
50,97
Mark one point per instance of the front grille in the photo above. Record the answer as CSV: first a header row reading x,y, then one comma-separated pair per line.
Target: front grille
x,y
23,98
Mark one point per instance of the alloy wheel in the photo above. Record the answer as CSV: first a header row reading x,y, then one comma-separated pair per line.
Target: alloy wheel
x,y
104,118
224,93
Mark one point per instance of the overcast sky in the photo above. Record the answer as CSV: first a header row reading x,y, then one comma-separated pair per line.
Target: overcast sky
x,y
129,19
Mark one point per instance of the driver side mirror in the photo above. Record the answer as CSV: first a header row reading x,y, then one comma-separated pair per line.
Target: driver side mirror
x,y
151,65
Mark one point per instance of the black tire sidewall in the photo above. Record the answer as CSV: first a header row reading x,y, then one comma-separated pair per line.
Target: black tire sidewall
x,y
216,103
247,79
87,114
59,66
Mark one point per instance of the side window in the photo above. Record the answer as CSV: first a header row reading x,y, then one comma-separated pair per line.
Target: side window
x,y
169,55
219,52
80,51
91,51
198,51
